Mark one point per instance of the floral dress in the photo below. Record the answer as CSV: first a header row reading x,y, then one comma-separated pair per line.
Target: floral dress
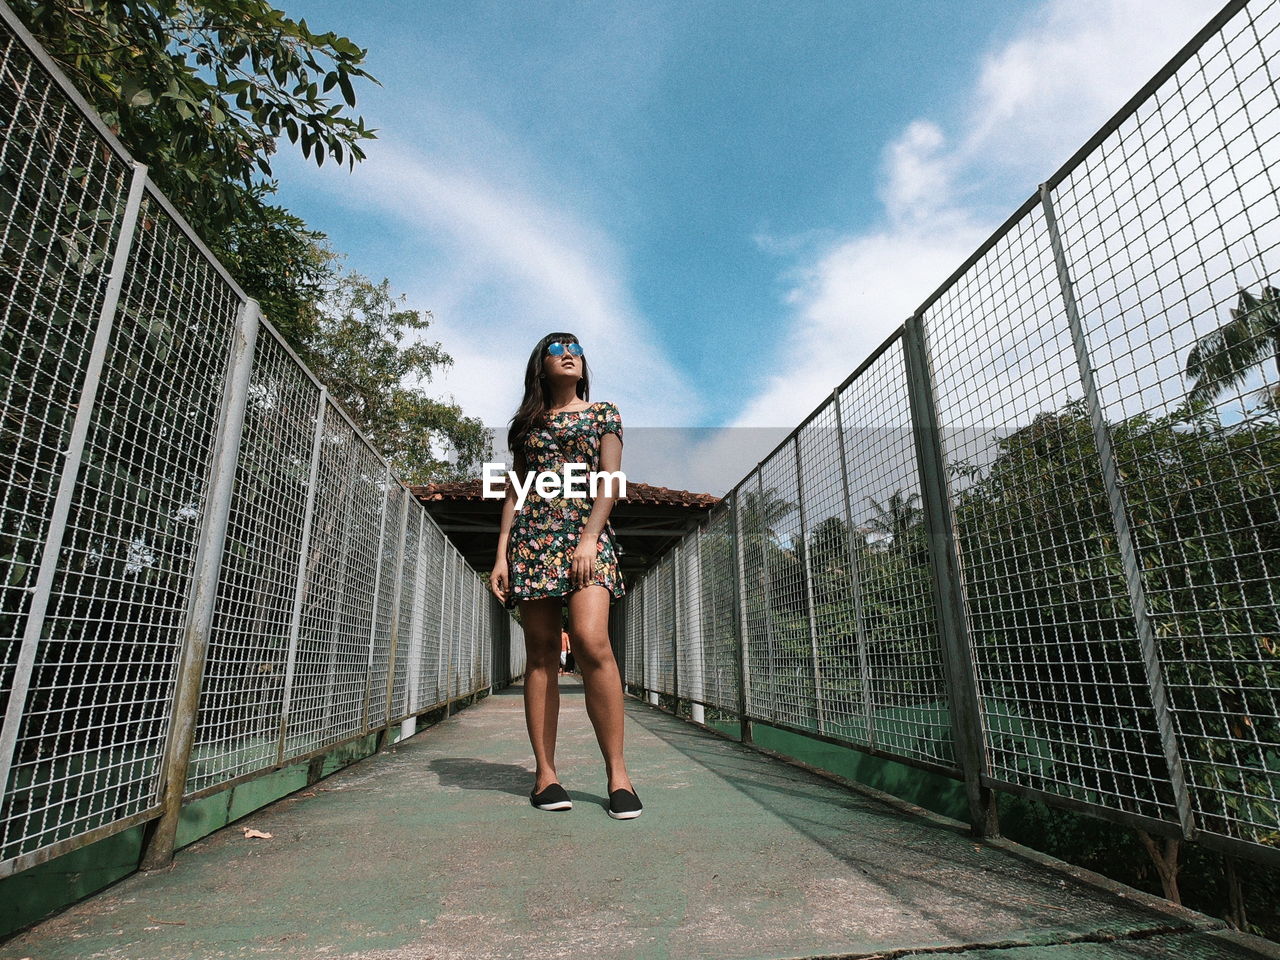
x,y
545,530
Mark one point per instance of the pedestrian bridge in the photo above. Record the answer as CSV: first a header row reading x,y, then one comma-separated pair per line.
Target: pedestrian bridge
x,y
431,849
1028,548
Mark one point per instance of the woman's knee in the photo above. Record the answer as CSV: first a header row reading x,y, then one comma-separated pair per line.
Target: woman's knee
x,y
591,650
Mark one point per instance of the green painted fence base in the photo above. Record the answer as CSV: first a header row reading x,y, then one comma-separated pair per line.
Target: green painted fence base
x,y
924,789
33,894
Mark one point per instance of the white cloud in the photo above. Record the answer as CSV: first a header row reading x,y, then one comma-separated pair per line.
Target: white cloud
x,y
516,267
1038,96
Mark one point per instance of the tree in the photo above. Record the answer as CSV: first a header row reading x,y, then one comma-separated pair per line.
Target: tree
x,y
1223,358
354,347
897,516
202,91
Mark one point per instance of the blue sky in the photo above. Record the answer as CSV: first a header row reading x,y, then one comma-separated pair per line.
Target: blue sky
x,y
731,203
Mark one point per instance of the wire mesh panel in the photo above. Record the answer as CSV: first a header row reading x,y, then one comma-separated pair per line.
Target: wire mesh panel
x,y
791,689
905,702
1066,702
457,622
827,551
753,580
1171,229
331,659
238,725
427,693
97,711
469,630
689,647
444,630
663,622
633,636
640,655
396,501
718,628
113,411
405,650
409,639
63,198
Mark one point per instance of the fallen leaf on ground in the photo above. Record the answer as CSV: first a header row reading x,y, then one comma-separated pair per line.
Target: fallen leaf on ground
x,y
250,833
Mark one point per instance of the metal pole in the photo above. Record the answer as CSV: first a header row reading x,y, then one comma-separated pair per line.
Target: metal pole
x,y
1124,538
412,693
962,687
819,709
697,712
49,558
442,657
162,834
675,628
301,585
453,634
740,615
768,599
855,578
388,482
395,608
651,678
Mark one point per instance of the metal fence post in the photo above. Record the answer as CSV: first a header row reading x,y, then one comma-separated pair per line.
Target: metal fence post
x,y
161,834
387,484
855,578
453,636
50,555
678,551
442,656
697,712
962,687
413,673
770,652
396,594
819,709
301,584
1124,538
740,616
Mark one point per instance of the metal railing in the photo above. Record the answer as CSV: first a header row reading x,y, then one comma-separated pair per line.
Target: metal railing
x,y
1033,541
207,571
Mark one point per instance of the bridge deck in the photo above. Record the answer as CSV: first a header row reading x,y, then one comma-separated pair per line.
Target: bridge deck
x,y
431,850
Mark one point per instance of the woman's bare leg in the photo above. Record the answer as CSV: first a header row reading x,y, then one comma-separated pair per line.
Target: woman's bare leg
x,y
589,634
541,622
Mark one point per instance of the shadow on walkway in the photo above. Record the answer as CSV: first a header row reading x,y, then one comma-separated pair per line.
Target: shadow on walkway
x,y
431,850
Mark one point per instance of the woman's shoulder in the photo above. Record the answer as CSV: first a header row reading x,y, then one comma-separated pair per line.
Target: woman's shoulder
x,y
605,410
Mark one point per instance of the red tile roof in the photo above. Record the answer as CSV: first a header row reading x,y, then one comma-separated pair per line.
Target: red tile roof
x,y
638,493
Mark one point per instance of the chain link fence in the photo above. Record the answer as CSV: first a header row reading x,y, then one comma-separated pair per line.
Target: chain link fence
x,y
1033,541
207,571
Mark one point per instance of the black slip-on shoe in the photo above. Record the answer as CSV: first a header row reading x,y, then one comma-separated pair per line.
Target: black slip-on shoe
x,y
554,797
624,805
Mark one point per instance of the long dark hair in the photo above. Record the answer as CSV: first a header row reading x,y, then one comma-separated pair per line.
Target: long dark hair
x,y
533,408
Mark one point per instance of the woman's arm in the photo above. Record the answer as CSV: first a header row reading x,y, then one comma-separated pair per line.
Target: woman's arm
x,y
500,578
584,560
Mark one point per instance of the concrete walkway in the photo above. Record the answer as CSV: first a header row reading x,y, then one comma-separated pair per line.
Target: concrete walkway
x,y
431,850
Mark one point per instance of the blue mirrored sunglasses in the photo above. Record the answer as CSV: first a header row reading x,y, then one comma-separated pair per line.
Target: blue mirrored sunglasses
x,y
557,349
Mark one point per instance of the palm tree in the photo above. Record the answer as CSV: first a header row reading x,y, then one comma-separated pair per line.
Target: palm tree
x,y
1223,358
897,516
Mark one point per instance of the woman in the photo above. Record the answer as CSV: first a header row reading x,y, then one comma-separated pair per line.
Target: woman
x,y
560,551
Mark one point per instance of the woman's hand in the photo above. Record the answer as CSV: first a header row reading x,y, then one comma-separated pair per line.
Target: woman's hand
x,y
583,568
500,581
